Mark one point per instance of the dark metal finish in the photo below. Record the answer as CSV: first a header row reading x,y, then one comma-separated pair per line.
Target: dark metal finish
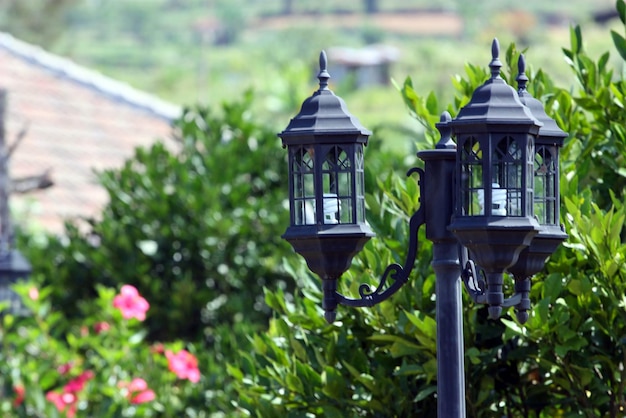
x,y
399,274
489,203
437,200
547,197
327,204
495,150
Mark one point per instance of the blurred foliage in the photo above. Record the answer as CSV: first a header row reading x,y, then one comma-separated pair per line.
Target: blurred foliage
x,y
197,230
41,22
566,361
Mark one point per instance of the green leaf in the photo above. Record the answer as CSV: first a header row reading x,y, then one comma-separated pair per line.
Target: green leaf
x,y
235,372
473,354
424,393
621,10
620,43
552,286
576,40
294,383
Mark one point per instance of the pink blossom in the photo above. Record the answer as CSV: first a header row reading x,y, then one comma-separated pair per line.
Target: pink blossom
x,y
64,369
101,327
130,303
67,400
64,402
20,393
78,383
138,391
184,365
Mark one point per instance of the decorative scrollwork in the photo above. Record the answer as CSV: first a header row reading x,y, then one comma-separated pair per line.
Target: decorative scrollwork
x,y
473,281
399,274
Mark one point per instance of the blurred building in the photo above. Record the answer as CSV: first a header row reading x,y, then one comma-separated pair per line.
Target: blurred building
x,y
75,122
362,67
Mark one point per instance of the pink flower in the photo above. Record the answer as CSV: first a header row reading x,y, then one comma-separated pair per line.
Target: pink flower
x,y
101,327
184,365
64,369
138,391
20,393
78,383
67,400
64,402
130,303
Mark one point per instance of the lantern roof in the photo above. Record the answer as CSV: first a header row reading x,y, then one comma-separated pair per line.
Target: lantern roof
x,y
495,103
549,133
324,114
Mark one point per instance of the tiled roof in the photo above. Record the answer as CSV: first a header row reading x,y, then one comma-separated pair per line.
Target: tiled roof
x,y
78,121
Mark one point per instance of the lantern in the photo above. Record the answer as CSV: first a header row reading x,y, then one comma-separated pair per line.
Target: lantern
x,y
326,186
495,135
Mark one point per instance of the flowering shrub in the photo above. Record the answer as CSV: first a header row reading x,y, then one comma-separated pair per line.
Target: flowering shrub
x,y
101,367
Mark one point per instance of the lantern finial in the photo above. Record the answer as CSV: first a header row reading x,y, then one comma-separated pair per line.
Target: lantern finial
x,y
495,63
521,78
444,129
323,75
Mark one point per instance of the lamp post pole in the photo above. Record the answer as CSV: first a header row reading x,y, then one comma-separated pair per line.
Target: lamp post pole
x,y
438,203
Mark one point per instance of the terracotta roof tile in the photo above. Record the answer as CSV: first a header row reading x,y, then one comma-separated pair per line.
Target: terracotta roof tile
x,y
78,121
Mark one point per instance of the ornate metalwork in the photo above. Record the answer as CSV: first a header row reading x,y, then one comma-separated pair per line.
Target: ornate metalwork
x,y
399,274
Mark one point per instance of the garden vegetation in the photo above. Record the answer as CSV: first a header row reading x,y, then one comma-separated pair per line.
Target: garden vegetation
x,y
182,300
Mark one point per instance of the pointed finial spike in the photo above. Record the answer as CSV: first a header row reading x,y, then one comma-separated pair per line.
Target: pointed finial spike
x,y
323,61
521,78
495,49
495,63
323,75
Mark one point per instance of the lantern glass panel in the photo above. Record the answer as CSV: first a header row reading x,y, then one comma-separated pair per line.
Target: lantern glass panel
x,y
338,186
472,190
303,204
507,175
545,185
359,175
530,176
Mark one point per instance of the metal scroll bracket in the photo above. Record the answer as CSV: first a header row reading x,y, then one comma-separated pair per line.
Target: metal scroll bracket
x,y
397,273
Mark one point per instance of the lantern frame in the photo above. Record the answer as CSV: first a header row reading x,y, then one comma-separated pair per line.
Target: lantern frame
x,y
495,115
325,151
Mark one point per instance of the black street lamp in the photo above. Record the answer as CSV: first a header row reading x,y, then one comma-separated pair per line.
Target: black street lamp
x,y
489,203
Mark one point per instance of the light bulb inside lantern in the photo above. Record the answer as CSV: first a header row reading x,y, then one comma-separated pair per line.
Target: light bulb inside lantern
x,y
498,200
331,209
